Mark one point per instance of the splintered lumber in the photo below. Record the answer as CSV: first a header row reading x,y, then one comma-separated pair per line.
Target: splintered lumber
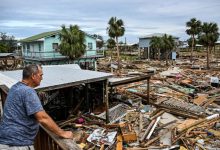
x,y
182,108
172,86
200,100
183,148
136,148
180,113
167,124
212,92
190,86
209,101
119,145
102,147
185,124
157,114
140,122
62,124
140,94
214,132
207,121
147,130
156,138
151,141
178,107
152,129
115,125
128,134
188,81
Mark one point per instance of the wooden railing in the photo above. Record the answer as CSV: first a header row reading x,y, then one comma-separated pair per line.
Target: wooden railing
x,y
42,55
54,54
46,140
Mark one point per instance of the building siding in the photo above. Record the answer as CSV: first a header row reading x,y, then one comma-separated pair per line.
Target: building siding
x,y
47,50
92,51
144,43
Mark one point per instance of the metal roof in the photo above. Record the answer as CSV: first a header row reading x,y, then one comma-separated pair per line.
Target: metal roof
x,y
6,54
5,80
58,76
46,34
40,36
125,80
218,42
157,35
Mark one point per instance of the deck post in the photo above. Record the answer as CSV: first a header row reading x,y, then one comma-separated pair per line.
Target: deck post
x,y
106,100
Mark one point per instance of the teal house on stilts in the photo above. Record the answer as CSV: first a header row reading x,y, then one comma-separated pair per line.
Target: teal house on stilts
x,y
44,49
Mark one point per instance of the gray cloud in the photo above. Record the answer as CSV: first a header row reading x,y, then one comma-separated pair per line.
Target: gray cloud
x,y
24,18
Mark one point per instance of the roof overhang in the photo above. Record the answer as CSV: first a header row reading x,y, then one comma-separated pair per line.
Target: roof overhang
x,y
57,76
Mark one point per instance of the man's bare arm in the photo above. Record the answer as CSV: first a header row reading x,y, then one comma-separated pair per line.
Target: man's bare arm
x,y
44,119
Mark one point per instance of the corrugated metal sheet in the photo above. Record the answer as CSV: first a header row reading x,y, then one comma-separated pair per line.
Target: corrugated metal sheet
x,y
6,54
70,66
5,80
59,76
156,34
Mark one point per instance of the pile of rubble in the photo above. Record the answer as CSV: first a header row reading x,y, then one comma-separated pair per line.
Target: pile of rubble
x,y
183,112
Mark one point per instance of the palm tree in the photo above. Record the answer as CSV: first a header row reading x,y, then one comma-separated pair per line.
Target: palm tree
x,y
194,28
72,42
156,43
110,45
168,45
115,30
189,42
208,37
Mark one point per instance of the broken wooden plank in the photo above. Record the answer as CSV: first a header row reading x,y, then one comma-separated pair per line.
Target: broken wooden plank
x,y
119,145
147,130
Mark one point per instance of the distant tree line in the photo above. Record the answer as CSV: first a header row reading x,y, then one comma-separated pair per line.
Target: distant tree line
x,y
164,44
72,39
7,43
205,34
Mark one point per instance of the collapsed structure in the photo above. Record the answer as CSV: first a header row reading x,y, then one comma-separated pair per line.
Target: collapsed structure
x,y
176,107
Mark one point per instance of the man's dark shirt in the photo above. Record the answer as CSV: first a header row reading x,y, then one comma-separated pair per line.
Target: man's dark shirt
x,y
19,126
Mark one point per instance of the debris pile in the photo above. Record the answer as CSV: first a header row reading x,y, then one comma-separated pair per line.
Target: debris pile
x,y
183,112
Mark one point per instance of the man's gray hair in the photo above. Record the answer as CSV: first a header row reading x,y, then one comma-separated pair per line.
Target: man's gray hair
x,y
29,70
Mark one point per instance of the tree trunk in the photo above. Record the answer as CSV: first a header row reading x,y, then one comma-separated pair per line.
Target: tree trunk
x,y
111,59
118,57
211,53
166,58
191,58
208,58
159,54
111,53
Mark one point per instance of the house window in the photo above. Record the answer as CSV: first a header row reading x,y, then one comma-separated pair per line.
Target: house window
x,y
90,46
55,46
28,47
24,48
32,47
39,45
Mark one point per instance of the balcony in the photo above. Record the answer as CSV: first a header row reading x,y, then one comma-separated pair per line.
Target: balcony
x,y
91,53
43,55
57,55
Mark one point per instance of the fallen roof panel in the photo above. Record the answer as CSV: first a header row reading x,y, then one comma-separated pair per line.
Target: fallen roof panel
x,y
60,76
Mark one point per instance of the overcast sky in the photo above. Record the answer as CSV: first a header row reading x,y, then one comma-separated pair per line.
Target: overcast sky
x,y
24,18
